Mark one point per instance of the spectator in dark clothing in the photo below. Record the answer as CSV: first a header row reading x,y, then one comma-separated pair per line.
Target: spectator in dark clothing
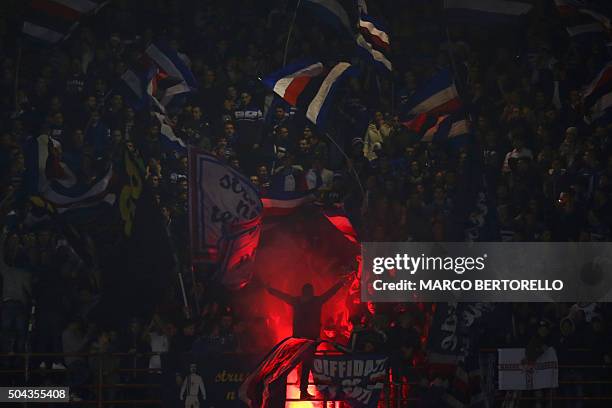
x,y
307,322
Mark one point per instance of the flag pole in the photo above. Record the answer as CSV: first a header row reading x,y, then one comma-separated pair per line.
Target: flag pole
x,y
348,160
17,69
454,67
290,32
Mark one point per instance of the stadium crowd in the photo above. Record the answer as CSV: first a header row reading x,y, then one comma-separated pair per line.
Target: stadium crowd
x,y
531,169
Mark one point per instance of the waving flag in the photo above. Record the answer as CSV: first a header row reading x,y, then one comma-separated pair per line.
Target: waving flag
x,y
279,203
446,127
309,86
600,85
339,219
377,58
332,13
219,197
290,82
51,21
374,32
173,69
582,22
137,87
485,11
597,96
566,7
439,95
169,140
373,42
318,108
53,180
265,387
238,246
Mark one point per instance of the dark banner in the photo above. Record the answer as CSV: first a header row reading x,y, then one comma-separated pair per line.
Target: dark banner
x,y
205,380
357,379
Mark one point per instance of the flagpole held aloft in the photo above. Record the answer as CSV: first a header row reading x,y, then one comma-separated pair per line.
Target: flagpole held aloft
x,y
297,7
348,161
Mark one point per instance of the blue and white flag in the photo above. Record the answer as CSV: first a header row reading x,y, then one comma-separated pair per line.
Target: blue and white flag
x,y
137,88
281,203
357,379
309,86
51,178
321,104
587,25
219,197
238,247
372,55
51,21
169,140
446,127
374,32
175,68
485,11
438,96
332,13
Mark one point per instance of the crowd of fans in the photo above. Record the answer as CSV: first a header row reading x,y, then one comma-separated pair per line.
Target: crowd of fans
x,y
532,169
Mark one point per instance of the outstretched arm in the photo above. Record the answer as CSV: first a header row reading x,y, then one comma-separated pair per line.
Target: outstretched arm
x,y
332,291
281,295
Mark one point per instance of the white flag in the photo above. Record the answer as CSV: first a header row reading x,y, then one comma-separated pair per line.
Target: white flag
x,y
517,374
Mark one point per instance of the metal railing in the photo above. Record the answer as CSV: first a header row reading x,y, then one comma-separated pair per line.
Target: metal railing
x,y
394,395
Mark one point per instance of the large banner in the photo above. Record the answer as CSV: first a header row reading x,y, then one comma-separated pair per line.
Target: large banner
x,y
218,196
237,248
453,328
205,380
515,373
265,387
357,379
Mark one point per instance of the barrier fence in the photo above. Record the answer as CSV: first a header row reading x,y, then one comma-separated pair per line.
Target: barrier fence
x,y
16,370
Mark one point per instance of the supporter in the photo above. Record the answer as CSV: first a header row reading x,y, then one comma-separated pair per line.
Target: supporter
x,y
16,292
540,170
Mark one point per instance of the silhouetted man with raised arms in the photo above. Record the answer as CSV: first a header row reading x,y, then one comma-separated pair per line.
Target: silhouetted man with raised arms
x,y
307,322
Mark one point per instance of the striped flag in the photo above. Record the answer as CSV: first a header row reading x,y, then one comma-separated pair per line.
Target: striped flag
x,y
309,86
259,390
485,11
567,7
339,219
372,55
597,96
600,85
332,13
51,21
290,82
600,108
169,140
439,95
373,41
281,203
446,127
53,180
138,88
374,31
174,69
581,21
